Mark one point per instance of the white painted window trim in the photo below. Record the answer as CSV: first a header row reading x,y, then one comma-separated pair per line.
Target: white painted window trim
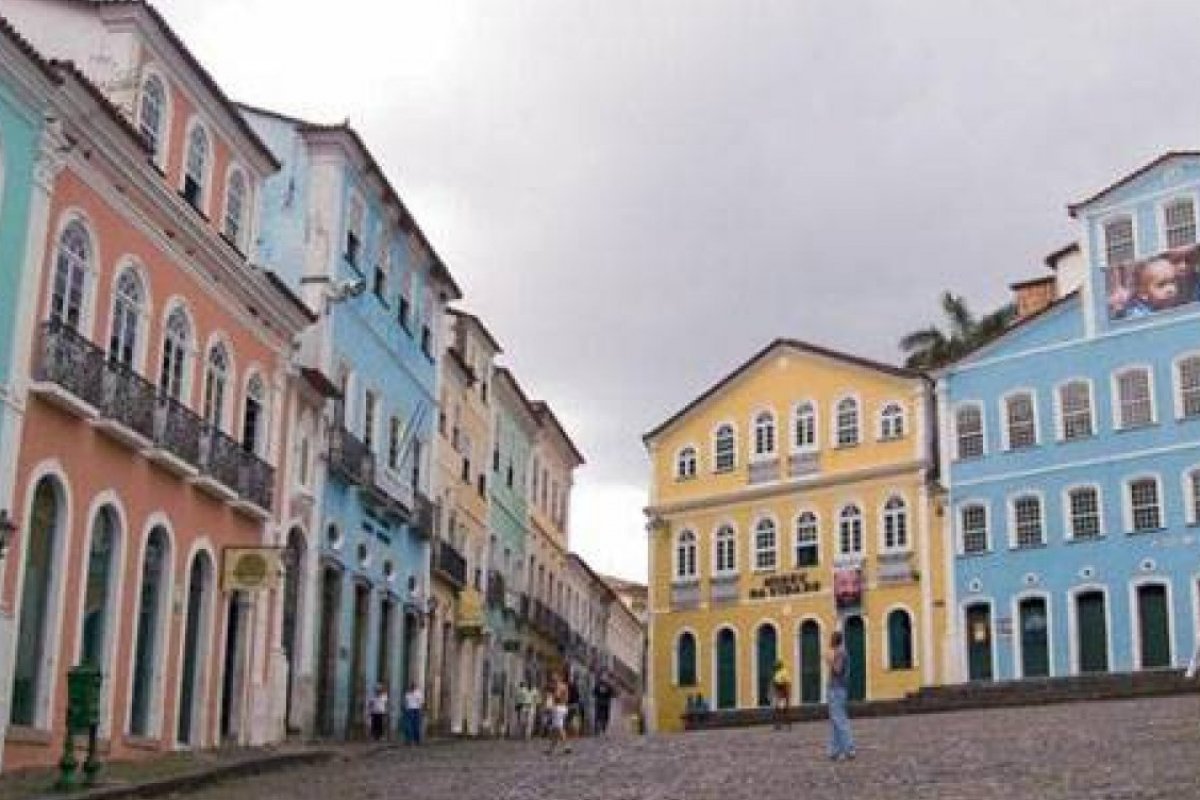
x,y
1011,504
1102,233
206,189
164,135
1073,622
1160,216
767,455
240,242
716,540
678,576
753,542
1177,382
908,521
881,431
835,440
713,439
1135,618
1114,388
837,532
1060,426
1018,654
1189,495
960,538
1068,522
1127,501
816,514
1005,443
816,426
886,650
145,312
978,405
677,467
679,634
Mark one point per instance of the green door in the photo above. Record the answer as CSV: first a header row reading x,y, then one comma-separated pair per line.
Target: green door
x,y
1152,622
810,662
979,642
767,653
1035,649
726,669
1091,632
856,662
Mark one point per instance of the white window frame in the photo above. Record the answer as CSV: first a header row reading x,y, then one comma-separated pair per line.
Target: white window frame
x,y
163,138
1127,502
961,530
679,575
714,439
771,420
983,449
862,532
883,519
1177,383
1103,235
718,569
901,418
227,402
1005,433
1013,538
816,515
815,427
243,222
680,473
1161,215
755,550
206,187
1060,420
143,311
858,421
89,270
1068,516
1115,388
1190,497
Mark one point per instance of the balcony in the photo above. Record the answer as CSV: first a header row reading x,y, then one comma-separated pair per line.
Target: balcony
x,y
801,464
495,590
350,457
685,595
76,375
425,523
762,471
450,564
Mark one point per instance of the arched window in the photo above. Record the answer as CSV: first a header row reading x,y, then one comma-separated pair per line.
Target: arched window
x,y
900,644
156,564
216,378
30,692
685,556
98,590
685,659
71,267
177,343
968,429
807,540
766,550
128,310
235,208
152,113
805,429
847,422
252,416
725,545
195,646
850,530
196,168
891,421
764,434
724,449
685,467
895,524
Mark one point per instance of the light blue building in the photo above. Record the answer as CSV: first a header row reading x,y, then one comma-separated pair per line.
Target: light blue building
x,y
1070,449
338,232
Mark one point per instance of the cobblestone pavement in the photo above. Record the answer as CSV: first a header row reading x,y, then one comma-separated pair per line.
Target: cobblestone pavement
x,y
1126,749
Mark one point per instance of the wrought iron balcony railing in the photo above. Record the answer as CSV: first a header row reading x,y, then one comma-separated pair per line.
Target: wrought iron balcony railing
x,y
495,589
70,361
426,516
451,564
350,457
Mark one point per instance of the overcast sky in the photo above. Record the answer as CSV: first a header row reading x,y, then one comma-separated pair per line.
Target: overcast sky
x,y
636,196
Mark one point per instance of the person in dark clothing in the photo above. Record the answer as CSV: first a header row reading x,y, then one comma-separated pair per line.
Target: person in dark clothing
x,y
603,695
574,707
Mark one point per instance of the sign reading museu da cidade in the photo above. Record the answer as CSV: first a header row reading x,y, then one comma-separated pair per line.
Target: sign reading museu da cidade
x,y
785,585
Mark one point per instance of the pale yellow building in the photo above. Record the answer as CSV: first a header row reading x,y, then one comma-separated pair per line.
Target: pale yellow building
x,y
802,468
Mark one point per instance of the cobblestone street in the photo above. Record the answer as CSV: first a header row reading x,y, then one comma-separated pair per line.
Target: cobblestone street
x,y
1125,749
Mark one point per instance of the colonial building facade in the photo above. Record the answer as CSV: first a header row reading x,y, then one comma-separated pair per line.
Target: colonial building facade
x,y
789,500
1070,451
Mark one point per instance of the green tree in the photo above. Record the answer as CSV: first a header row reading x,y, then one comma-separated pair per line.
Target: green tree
x,y
932,347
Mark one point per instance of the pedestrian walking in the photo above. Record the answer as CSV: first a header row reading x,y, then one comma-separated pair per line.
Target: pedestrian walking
x,y
781,686
841,740
558,717
603,695
414,703
377,712
522,706
574,708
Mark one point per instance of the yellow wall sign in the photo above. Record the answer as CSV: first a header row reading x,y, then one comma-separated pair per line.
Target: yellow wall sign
x,y
250,569
470,610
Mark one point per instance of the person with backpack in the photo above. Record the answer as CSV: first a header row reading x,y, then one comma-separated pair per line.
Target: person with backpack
x,y
841,739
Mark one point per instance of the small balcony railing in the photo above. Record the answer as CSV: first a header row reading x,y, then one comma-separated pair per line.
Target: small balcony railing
x,y
130,408
451,564
350,457
425,518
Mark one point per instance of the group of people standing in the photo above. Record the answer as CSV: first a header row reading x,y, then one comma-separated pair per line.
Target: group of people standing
x,y
557,710
378,706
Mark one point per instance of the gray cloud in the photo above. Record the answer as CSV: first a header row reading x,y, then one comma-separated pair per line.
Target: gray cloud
x,y
636,196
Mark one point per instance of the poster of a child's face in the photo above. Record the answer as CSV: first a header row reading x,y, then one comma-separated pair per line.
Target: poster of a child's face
x,y
1160,282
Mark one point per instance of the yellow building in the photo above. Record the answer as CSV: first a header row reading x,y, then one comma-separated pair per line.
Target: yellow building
x,y
801,471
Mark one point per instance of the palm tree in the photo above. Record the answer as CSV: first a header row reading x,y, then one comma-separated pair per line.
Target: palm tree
x,y
931,348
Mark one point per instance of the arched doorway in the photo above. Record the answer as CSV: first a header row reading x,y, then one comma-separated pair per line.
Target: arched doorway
x,y
766,651
979,642
151,608
1154,627
856,658
1091,631
189,729
1035,638
99,601
810,661
30,677
293,579
726,669
233,680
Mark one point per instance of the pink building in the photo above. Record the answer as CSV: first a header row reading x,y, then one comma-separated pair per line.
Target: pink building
x,y
159,384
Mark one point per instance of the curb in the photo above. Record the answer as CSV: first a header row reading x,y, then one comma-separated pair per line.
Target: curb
x,y
191,781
